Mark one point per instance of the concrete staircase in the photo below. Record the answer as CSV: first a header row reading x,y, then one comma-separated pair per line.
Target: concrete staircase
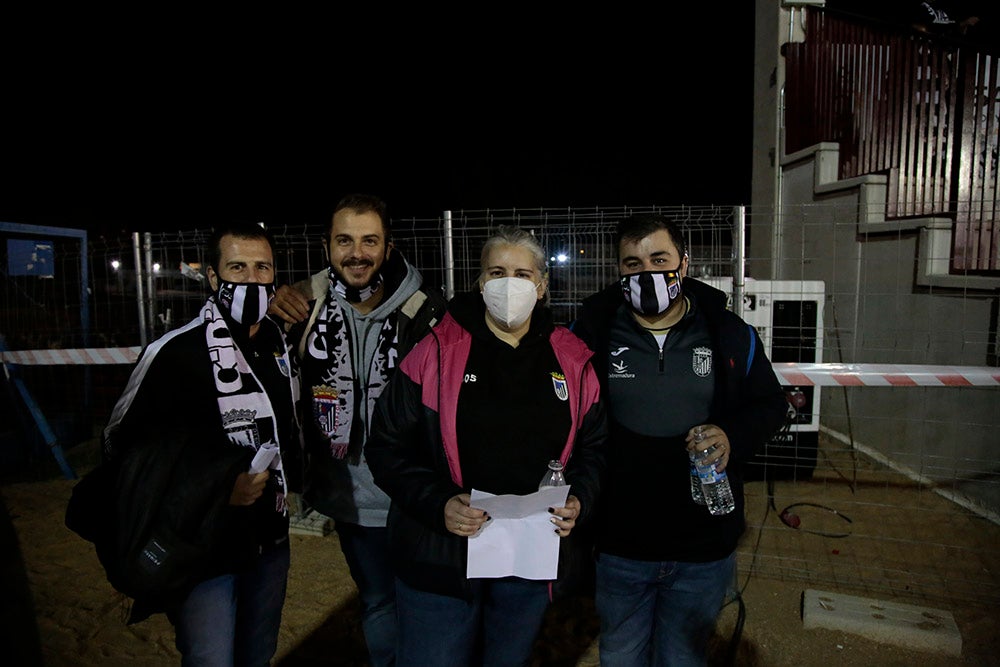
x,y
935,243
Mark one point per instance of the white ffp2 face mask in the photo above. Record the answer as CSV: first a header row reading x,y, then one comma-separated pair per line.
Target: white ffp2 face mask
x,y
510,300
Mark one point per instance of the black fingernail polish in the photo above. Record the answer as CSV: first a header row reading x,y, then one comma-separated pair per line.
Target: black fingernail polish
x,y
556,531
551,511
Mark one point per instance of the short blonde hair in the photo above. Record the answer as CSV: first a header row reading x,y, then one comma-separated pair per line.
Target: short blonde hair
x,y
516,236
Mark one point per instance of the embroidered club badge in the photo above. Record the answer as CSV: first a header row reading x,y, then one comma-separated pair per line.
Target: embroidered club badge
x,y
559,384
701,361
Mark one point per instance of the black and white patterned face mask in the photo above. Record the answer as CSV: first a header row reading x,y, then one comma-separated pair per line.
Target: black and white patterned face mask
x,y
651,293
244,303
355,294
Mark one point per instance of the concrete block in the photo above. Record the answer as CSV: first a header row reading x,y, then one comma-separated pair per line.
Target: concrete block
x,y
908,626
312,523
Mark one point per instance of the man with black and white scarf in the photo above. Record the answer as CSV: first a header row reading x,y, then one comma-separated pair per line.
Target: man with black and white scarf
x,y
198,436
353,323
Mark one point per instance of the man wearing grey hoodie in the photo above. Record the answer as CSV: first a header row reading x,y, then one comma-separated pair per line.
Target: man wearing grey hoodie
x,y
351,325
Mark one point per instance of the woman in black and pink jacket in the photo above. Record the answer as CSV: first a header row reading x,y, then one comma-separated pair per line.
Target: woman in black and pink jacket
x,y
483,402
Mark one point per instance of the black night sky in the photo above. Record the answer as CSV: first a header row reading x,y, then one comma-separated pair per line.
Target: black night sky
x,y
173,132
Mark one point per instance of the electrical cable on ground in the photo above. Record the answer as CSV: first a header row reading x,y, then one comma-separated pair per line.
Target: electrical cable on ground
x,y
734,640
788,517
793,521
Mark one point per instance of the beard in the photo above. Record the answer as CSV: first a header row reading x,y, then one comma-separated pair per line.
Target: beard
x,y
344,271
345,286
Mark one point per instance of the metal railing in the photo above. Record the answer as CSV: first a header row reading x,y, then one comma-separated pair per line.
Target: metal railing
x,y
921,111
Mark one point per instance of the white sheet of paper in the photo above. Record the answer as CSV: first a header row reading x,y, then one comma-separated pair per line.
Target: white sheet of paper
x,y
520,540
262,459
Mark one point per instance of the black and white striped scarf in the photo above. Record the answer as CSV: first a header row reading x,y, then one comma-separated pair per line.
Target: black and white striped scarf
x,y
244,407
247,415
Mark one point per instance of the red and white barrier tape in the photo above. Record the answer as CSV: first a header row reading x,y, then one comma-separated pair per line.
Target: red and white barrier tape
x,y
78,356
789,373
885,375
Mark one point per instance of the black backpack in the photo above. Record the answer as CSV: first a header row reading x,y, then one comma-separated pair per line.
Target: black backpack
x,y
155,523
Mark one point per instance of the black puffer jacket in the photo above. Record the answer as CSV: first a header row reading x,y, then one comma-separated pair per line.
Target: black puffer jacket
x,y
748,404
413,448
170,469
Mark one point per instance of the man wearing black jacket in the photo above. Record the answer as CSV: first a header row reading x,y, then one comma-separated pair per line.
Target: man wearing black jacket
x,y
206,402
673,363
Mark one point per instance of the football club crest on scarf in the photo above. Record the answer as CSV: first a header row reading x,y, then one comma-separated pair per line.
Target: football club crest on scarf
x,y
559,384
325,408
241,427
701,361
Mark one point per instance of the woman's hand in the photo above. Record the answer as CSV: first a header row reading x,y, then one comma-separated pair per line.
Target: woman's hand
x,y
461,519
564,518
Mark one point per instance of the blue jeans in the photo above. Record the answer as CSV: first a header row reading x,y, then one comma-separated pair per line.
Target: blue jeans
x,y
233,619
497,627
367,553
659,613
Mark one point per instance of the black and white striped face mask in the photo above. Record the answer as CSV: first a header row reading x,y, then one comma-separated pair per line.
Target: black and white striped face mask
x,y
354,294
651,293
245,303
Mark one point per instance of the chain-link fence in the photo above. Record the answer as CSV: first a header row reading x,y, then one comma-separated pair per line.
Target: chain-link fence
x,y
899,452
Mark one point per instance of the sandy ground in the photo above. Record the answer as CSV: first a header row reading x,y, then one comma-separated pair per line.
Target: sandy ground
x,y
78,617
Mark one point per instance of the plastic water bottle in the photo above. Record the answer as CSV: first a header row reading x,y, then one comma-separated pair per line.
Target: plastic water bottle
x,y
696,492
554,475
714,485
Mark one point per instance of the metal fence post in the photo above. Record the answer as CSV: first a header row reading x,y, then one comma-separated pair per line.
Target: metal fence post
x,y
739,257
139,292
449,258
